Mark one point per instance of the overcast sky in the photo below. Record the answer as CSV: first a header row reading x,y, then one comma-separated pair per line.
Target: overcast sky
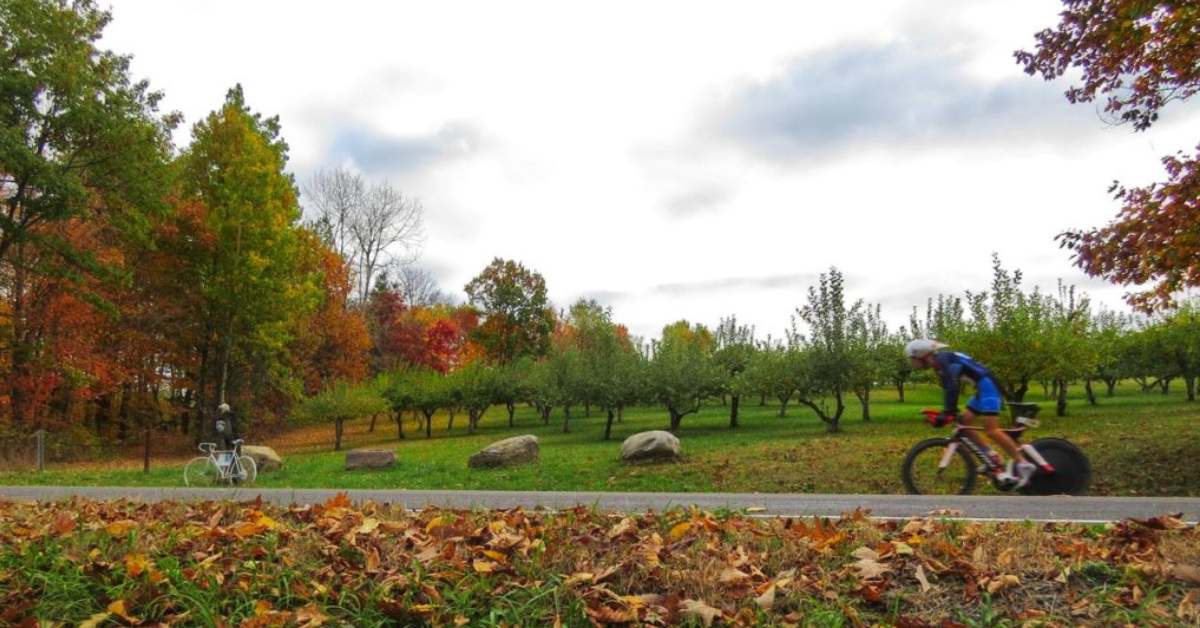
x,y
680,160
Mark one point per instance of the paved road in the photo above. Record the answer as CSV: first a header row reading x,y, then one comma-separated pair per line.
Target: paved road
x,y
764,504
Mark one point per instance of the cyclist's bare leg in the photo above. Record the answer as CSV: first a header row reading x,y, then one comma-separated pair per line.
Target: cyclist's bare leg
x,y
991,424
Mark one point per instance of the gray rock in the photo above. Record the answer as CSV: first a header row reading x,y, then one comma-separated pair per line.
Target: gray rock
x,y
508,452
265,458
653,445
370,459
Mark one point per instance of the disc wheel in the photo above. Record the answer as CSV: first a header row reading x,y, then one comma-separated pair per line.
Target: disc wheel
x,y
201,471
1072,470
923,474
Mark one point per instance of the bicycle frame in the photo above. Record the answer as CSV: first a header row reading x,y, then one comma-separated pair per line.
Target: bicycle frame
x,y
231,470
990,465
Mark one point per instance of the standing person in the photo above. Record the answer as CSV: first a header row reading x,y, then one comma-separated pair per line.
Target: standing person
x,y
952,366
227,433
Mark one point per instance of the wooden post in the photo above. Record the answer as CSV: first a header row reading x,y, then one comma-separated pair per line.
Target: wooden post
x,y
40,454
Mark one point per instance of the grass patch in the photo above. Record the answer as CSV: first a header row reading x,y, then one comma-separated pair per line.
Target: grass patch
x,y
1139,444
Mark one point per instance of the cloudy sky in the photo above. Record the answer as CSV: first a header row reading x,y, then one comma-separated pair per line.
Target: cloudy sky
x,y
680,160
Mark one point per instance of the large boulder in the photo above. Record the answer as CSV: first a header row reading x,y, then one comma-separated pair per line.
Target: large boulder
x,y
370,459
653,445
265,458
508,452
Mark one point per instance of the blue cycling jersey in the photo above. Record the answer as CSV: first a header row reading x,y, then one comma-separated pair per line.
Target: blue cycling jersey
x,y
953,366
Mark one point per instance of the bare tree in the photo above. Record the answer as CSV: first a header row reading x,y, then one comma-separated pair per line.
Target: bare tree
x,y
338,197
417,286
388,221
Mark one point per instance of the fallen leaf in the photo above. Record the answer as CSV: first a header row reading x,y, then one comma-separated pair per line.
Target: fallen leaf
x,y
733,576
865,553
1000,583
870,569
679,530
309,616
902,549
63,525
367,526
95,620
118,608
484,566
626,526
1189,607
578,578
767,599
922,579
135,564
120,528
1164,522
698,609
1186,573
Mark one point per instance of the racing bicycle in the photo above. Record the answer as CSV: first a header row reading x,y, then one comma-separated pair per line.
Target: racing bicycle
x,y
948,466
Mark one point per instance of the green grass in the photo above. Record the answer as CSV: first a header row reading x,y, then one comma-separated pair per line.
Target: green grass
x,y
1139,444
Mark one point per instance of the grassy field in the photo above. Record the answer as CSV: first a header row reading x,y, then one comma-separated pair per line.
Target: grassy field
x,y
1139,444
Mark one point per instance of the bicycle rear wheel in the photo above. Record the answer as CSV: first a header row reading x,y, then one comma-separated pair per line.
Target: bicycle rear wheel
x,y
249,468
924,474
1072,470
201,471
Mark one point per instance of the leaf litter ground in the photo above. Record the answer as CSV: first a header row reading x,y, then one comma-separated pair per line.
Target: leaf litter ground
x,y
93,563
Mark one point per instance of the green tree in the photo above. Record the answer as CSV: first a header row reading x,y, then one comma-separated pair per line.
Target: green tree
x,y
1070,353
681,371
244,263
338,403
1182,335
825,368
1107,335
517,319
735,351
871,354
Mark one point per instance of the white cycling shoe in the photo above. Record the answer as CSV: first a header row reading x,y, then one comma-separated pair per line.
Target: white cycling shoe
x,y
1020,475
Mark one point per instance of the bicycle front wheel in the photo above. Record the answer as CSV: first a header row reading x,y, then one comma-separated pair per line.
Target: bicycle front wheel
x,y
249,469
931,468
201,471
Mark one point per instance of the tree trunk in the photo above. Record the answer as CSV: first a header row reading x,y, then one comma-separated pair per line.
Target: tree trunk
x,y
734,400
373,418
123,413
1191,387
724,401
146,447
620,413
400,425
428,423
1019,392
1091,395
512,409
783,404
1111,383
762,399
1165,384
546,414
608,425
676,419
587,410
900,390
1060,390
338,425
864,398
567,421
450,424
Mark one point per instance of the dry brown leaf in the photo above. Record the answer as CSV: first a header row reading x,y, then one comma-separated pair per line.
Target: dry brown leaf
x,y
1189,607
733,576
579,578
1000,583
922,579
1186,573
698,609
865,553
626,526
766,600
870,569
310,616
679,530
136,564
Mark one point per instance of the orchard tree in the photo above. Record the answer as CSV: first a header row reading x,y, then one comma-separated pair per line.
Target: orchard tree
x,y
517,318
1065,341
338,403
825,370
1182,334
1107,334
682,372
871,355
1135,56
735,348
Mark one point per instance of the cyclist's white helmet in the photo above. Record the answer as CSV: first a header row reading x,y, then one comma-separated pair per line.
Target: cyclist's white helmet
x,y
223,408
922,347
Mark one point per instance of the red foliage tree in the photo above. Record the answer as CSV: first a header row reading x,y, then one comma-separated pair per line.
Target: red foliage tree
x,y
1139,56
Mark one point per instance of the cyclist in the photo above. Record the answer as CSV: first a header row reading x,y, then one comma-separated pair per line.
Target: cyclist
x,y
227,433
952,366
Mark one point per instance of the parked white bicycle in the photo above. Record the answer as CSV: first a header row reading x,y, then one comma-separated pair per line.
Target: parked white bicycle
x,y
220,466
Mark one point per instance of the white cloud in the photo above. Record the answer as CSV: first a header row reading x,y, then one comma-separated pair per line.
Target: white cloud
x,y
580,139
